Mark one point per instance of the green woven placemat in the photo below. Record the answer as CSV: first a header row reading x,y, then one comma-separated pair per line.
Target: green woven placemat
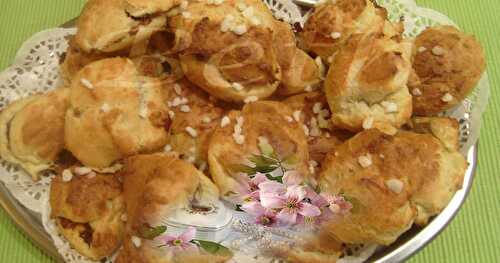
x,y
474,235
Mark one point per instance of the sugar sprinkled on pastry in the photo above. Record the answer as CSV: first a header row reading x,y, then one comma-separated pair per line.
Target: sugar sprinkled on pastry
x,y
221,45
133,123
447,67
366,85
232,145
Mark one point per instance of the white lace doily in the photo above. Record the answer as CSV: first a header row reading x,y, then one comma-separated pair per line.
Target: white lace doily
x,y
35,69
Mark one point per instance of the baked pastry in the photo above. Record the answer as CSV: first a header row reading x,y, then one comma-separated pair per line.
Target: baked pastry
x,y
438,188
141,8
150,64
227,49
242,134
318,247
114,113
298,69
155,186
75,59
32,129
366,83
363,170
333,22
312,110
448,64
121,30
391,181
88,209
193,118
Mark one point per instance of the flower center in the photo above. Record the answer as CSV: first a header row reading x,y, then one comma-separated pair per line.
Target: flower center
x,y
177,242
292,204
265,220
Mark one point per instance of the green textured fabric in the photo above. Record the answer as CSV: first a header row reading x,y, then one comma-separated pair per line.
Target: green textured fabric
x,y
474,235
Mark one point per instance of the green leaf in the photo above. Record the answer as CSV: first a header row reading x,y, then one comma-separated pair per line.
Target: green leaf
x,y
262,161
238,208
148,232
278,179
265,169
214,248
241,168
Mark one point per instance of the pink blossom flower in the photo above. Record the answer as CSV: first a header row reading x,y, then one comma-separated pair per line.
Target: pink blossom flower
x,y
337,203
249,187
291,178
263,216
267,218
319,201
291,204
181,242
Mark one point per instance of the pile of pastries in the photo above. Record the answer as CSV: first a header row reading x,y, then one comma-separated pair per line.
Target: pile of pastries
x,y
161,98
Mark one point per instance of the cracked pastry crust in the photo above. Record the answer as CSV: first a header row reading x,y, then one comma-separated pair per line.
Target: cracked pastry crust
x,y
298,69
234,142
154,186
88,212
232,59
333,22
448,65
193,119
120,32
312,110
437,191
32,131
408,178
379,215
114,113
366,85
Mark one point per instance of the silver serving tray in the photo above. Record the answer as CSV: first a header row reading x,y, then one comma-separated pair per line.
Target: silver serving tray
x,y
408,244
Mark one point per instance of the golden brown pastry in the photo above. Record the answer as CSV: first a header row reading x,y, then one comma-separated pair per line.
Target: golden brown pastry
x,y
88,208
318,247
438,188
193,118
140,8
106,25
391,182
241,134
75,59
448,64
32,131
299,70
366,83
312,109
375,173
333,22
114,113
155,186
227,49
